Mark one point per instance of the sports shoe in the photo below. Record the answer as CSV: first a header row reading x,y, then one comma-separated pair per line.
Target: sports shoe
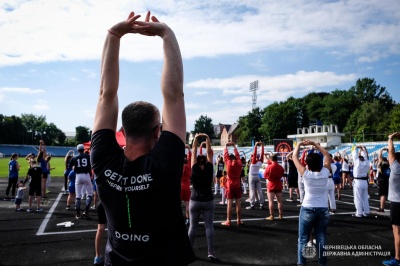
x,y
381,210
356,216
39,210
78,216
68,208
261,207
98,261
289,199
93,207
187,221
211,256
250,208
85,214
221,202
390,262
28,210
7,199
19,210
332,212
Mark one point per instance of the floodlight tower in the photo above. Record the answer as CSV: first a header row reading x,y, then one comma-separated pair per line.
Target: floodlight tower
x,y
254,88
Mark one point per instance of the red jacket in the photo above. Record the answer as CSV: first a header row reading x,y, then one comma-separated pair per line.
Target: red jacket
x,y
233,168
187,172
274,173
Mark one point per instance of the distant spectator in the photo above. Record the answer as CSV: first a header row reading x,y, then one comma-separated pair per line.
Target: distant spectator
x,y
20,196
13,169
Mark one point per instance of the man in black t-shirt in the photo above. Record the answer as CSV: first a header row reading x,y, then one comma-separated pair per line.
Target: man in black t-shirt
x,y
131,183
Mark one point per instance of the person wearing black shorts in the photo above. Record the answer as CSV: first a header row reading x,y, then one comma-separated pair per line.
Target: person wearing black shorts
x,y
34,178
98,241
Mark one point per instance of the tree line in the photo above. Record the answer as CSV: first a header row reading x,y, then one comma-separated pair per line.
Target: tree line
x,y
29,129
364,112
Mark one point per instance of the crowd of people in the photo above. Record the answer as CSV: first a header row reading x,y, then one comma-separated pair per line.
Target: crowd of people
x,y
156,165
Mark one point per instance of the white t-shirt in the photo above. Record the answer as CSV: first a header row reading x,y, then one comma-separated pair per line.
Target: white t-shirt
x,y
315,184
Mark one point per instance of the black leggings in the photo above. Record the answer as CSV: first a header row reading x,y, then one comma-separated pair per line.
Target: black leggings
x,y
12,182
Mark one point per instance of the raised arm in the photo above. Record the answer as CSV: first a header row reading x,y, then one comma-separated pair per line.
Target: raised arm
x,y
391,150
300,167
209,150
106,115
194,149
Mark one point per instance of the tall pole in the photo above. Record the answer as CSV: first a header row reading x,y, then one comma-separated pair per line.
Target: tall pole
x,y
254,88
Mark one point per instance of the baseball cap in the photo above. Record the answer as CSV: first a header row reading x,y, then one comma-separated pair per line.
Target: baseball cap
x,y
80,147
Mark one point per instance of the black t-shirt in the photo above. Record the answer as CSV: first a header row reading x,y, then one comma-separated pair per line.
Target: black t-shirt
x,y
81,164
202,181
142,201
36,175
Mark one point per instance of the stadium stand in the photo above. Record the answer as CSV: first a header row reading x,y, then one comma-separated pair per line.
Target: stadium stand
x,y
22,150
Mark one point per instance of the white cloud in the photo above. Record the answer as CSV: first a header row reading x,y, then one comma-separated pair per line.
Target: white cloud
x,y
21,90
75,30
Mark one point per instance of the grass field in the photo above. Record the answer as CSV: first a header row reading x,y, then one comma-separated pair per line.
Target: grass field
x,y
57,162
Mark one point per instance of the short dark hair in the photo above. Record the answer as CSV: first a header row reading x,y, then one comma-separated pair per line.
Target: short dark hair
x,y
274,157
313,161
139,118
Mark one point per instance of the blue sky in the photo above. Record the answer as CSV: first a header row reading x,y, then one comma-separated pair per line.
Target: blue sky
x,y
50,53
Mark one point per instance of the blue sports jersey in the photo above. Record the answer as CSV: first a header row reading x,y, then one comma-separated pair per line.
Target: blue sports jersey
x,y
12,169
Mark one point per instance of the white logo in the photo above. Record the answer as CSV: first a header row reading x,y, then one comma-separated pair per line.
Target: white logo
x,y
309,251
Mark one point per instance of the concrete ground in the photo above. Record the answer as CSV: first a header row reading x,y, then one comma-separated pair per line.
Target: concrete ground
x,y
39,239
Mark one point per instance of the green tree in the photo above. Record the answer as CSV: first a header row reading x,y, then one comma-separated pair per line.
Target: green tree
x,y
204,125
281,119
394,119
82,134
366,90
34,126
249,128
12,130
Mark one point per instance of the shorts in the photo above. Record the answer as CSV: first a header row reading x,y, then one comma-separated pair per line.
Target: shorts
x,y
293,182
44,175
219,174
395,213
345,172
233,192
383,189
275,190
71,189
35,190
337,180
185,194
101,214
18,201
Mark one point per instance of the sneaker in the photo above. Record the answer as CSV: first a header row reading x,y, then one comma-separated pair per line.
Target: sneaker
x,y
248,200
392,261
93,207
39,210
78,216
98,260
68,208
298,205
261,207
187,221
85,214
289,199
381,210
332,212
7,199
221,202
19,210
250,208
357,216
211,256
28,210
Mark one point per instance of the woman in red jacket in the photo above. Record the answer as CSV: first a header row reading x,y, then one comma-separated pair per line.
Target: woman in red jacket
x,y
273,173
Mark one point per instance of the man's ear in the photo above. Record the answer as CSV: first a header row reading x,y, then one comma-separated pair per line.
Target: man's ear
x,y
123,131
